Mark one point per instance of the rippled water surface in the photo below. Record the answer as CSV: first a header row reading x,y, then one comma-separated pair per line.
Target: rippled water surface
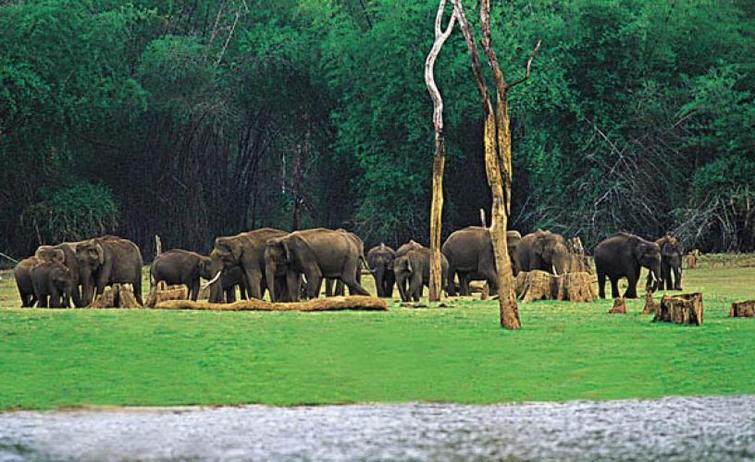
x,y
670,429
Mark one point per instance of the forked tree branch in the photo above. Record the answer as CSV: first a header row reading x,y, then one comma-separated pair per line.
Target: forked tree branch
x,y
529,64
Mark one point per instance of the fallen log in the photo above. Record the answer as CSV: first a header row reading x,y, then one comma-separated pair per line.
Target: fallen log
x,y
163,292
681,309
744,309
352,302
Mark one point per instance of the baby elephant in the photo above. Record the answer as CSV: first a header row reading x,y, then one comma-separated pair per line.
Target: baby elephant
x,y
414,267
22,273
53,284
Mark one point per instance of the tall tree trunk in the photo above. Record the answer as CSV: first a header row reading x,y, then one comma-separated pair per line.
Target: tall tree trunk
x,y
497,148
439,160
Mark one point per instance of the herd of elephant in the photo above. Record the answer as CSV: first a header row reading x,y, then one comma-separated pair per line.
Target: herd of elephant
x,y
292,265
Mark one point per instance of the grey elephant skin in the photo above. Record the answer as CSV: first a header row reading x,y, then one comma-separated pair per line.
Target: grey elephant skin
x,y
380,260
470,257
179,266
624,255
247,251
53,284
339,290
413,269
22,274
671,263
316,254
543,250
68,250
108,260
403,286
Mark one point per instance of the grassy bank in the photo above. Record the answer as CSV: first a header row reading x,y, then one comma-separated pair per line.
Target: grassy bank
x,y
566,351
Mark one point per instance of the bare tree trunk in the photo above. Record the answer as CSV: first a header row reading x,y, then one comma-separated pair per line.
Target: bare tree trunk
x,y
439,161
497,144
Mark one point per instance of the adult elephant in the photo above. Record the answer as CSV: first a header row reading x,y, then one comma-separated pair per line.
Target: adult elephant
x,y
338,290
403,287
247,251
624,255
53,284
543,250
22,274
108,260
315,253
380,260
671,263
179,266
68,252
470,257
413,269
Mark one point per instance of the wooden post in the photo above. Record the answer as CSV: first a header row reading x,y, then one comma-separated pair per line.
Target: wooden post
x,y
158,245
439,160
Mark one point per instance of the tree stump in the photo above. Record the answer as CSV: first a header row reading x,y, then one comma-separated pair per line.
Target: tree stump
x,y
744,309
692,259
117,296
162,292
540,285
619,306
650,305
681,309
576,287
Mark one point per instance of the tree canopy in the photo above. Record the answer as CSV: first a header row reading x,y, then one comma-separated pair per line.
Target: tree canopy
x,y
186,119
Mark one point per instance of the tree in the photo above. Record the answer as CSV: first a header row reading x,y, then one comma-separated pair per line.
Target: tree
x,y
439,160
497,141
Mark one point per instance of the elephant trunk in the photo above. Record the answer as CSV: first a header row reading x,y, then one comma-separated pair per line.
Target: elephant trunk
x,y
379,273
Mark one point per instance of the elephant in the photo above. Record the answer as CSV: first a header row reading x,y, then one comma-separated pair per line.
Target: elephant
x,y
68,250
671,263
108,260
380,260
315,253
470,257
247,251
400,252
414,268
543,250
339,286
623,255
53,283
22,273
178,266
234,277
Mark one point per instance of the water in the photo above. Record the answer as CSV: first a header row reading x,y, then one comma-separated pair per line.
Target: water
x,y
671,429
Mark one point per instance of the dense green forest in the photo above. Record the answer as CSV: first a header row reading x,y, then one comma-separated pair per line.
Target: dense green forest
x,y
198,118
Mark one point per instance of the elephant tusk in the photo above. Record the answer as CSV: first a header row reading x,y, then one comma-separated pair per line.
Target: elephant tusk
x,y
211,281
652,274
555,273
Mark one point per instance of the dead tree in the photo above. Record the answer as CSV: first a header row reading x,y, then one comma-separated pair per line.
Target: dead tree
x,y
497,145
439,160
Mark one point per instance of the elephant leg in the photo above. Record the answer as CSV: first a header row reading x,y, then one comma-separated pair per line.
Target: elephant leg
x,y
464,283
328,287
401,282
253,281
340,289
415,287
631,291
389,281
614,287
194,290
451,287
42,301
678,278
601,284
314,283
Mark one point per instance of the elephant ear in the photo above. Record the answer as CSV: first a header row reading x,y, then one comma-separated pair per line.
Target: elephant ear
x,y
287,251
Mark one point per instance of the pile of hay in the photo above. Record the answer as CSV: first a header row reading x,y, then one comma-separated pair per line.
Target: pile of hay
x,y
541,285
352,302
163,292
117,296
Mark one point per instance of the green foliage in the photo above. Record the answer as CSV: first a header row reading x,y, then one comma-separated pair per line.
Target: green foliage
x,y
564,352
72,213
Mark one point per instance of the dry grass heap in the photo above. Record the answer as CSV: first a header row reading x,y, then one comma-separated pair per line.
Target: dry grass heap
x,y
163,292
744,309
651,306
619,306
540,285
117,296
352,302
681,309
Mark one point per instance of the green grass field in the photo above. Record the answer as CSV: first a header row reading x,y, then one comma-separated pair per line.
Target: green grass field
x,y
58,358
